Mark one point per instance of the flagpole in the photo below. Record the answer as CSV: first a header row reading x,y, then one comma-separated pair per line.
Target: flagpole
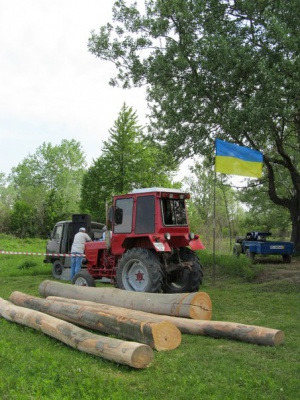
x,y
214,227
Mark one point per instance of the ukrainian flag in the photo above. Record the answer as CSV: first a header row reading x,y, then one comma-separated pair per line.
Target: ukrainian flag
x,y
237,160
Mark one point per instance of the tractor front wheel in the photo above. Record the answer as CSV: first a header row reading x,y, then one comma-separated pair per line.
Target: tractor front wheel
x,y
139,270
184,280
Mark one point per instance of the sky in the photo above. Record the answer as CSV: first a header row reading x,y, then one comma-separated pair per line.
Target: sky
x,y
51,87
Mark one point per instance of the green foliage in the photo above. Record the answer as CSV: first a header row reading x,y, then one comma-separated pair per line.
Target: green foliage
x,y
48,186
129,160
27,264
230,265
216,69
22,218
212,199
262,214
7,197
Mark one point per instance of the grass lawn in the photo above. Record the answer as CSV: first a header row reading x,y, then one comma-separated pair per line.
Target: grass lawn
x,y
35,366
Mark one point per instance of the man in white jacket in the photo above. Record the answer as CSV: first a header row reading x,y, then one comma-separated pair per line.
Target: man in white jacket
x,y
78,249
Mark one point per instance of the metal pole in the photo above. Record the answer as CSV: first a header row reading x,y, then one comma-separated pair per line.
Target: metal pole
x,y
214,229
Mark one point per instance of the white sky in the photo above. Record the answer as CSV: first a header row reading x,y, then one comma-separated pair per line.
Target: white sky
x,y
51,87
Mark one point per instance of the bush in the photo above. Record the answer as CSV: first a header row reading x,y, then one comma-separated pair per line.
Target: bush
x,y
230,265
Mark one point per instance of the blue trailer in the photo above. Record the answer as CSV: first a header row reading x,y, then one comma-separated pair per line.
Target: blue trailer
x,y
256,243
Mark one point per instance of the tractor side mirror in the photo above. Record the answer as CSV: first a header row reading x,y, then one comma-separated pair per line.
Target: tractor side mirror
x,y
115,215
111,214
118,216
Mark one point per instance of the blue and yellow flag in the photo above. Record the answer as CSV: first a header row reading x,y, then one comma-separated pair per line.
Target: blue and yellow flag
x,y
237,160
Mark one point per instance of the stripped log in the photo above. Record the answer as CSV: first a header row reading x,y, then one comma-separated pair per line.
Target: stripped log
x,y
160,335
133,354
188,305
218,329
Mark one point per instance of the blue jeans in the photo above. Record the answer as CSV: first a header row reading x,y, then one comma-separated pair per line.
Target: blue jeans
x,y
75,264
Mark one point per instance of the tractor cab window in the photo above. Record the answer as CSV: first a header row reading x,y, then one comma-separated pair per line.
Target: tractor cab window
x,y
145,214
126,205
174,212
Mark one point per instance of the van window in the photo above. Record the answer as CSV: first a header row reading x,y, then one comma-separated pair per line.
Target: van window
x,y
57,232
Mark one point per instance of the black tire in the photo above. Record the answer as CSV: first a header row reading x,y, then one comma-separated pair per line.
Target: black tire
x,y
185,280
83,278
236,253
139,270
287,258
57,269
251,255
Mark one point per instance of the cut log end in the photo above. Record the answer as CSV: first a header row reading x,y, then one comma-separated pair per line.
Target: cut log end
x,y
201,306
278,338
166,336
142,356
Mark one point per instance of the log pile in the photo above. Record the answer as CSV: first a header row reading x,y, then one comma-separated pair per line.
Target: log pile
x,y
218,329
150,321
158,334
133,354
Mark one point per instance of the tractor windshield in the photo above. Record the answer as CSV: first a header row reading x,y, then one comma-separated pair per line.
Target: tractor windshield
x,y
174,212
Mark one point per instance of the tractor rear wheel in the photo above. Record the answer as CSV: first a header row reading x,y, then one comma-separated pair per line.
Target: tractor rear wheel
x,y
83,278
139,270
185,280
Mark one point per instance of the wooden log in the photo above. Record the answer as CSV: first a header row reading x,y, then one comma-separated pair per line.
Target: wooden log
x,y
160,335
195,305
218,329
133,354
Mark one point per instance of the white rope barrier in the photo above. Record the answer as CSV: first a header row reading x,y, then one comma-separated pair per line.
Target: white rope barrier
x,y
40,254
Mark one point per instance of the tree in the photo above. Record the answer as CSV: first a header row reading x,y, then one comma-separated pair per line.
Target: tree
x,y
49,183
7,197
262,215
227,69
129,160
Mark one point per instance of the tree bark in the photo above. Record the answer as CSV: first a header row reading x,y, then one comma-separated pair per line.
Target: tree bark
x,y
133,354
295,235
160,335
188,305
218,329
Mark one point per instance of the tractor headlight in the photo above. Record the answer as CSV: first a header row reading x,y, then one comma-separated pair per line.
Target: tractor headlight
x,y
191,236
167,236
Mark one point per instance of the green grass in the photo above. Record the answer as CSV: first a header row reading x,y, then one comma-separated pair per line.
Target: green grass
x,y
35,366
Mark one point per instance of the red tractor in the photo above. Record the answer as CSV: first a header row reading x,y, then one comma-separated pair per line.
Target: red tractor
x,y
148,246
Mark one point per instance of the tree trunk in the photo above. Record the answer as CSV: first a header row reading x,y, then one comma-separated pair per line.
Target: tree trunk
x,y
160,335
188,305
218,329
295,236
130,353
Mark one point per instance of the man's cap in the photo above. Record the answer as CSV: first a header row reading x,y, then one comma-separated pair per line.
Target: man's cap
x,y
82,230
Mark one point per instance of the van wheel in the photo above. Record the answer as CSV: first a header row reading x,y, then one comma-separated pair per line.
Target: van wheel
x,y
57,269
83,278
184,280
139,270
287,258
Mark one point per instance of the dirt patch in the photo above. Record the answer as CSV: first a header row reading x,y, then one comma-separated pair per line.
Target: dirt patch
x,y
278,271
